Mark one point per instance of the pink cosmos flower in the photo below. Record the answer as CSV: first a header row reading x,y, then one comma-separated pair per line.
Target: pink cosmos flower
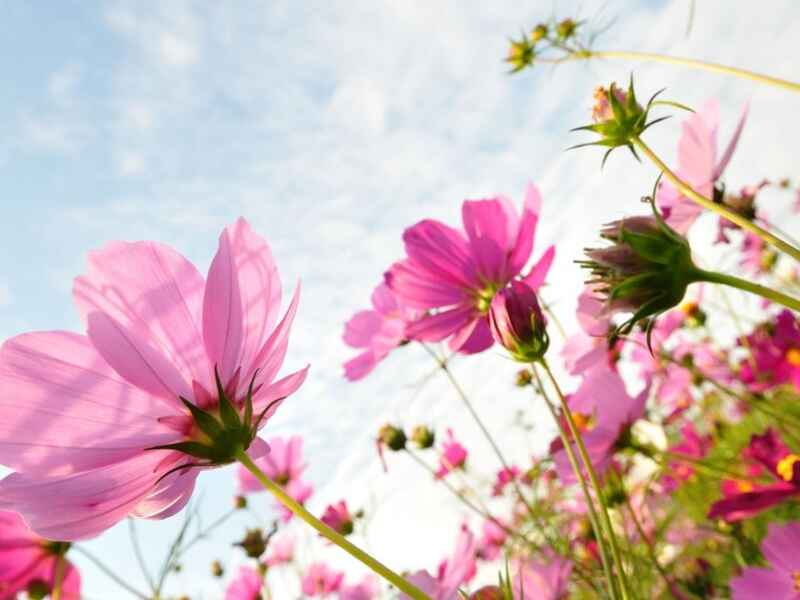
x,y
744,499
612,411
453,456
321,580
756,256
780,579
452,572
542,580
775,354
368,589
691,446
589,347
247,585
492,541
377,332
112,423
504,477
29,563
280,551
338,518
284,465
456,273
698,165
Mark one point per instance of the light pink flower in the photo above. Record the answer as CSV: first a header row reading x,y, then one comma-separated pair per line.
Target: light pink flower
x,y
698,165
589,347
247,585
780,579
492,541
756,256
338,518
368,589
453,456
456,273
452,573
542,580
377,332
693,446
284,465
280,550
505,476
82,414
28,562
321,580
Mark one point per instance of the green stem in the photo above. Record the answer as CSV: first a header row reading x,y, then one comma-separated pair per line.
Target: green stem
x,y
748,286
61,567
584,454
111,575
573,461
379,568
695,64
709,204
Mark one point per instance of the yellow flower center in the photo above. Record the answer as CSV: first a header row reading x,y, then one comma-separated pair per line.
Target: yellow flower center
x,y
785,467
688,308
796,579
793,357
582,422
744,486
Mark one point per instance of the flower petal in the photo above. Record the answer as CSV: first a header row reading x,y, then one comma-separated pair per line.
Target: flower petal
x,y
435,328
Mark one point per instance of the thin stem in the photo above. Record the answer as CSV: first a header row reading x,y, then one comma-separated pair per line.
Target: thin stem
x,y
109,573
748,286
694,64
137,550
573,461
61,567
709,204
168,561
379,568
202,534
584,454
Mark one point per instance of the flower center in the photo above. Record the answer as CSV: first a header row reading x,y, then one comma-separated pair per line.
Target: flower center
x,y
744,486
793,357
483,299
796,580
785,467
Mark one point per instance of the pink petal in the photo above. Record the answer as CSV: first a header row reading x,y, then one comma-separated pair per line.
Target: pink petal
x,y
441,251
780,546
535,279
360,329
523,246
759,584
384,300
270,356
434,328
421,289
135,359
273,395
84,414
479,339
728,154
360,366
152,291
491,226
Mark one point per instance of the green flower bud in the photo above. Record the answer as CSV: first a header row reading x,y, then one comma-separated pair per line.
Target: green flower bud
x,y
520,54
566,29
539,32
423,437
392,437
253,543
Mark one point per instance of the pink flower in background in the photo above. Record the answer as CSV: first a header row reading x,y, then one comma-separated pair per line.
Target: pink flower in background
x,y
693,446
457,273
453,456
368,589
504,477
338,518
775,354
756,256
321,580
280,551
542,580
82,414
377,332
283,464
452,573
247,585
492,541
589,347
300,491
698,165
29,563
780,579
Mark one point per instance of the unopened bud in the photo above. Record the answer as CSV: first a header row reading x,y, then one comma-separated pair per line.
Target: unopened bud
x,y
524,377
517,323
216,569
239,502
520,54
539,32
392,437
253,543
423,437
490,592
566,29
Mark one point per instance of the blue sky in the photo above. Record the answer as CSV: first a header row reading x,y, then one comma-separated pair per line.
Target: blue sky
x,y
332,126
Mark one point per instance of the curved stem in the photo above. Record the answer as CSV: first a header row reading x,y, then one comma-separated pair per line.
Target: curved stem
x,y
584,454
709,204
109,573
748,286
694,64
573,461
379,568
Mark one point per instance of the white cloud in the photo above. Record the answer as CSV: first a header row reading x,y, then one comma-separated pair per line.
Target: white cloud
x,y
175,51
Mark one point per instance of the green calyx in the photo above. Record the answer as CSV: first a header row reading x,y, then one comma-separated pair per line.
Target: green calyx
x,y
219,434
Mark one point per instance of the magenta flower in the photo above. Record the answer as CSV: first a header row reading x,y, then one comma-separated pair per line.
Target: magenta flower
x,y
492,541
744,499
698,165
338,518
30,564
280,551
542,580
452,573
505,476
692,446
517,322
376,332
775,355
589,347
368,589
781,580
284,465
174,373
321,580
453,456
247,585
454,274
